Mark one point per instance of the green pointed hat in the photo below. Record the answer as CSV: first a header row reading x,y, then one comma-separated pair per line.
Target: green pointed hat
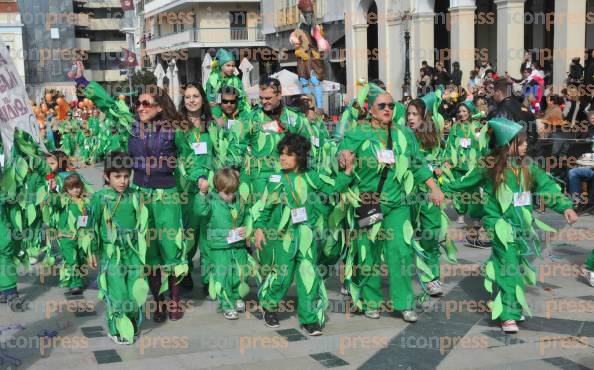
x,y
224,56
374,92
504,130
471,107
431,99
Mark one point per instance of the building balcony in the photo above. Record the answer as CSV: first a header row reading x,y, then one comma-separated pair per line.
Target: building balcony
x,y
107,46
82,43
81,20
104,75
154,7
207,37
103,24
95,4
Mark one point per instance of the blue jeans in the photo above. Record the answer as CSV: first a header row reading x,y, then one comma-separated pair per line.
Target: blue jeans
x,y
576,176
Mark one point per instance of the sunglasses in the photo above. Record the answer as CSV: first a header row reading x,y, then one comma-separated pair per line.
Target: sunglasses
x,y
146,104
223,101
383,106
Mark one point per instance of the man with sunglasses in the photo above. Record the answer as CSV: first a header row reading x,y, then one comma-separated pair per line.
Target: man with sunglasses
x,y
234,119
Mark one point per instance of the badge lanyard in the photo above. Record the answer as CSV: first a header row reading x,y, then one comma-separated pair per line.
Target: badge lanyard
x,y
518,172
295,196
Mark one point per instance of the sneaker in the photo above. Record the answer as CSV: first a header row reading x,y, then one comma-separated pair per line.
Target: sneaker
x,y
240,306
460,220
589,275
33,261
475,243
231,315
117,340
270,319
522,318
372,314
509,326
313,330
434,288
16,303
75,291
409,316
344,291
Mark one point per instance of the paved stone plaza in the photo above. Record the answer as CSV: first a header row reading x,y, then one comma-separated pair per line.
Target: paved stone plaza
x,y
453,332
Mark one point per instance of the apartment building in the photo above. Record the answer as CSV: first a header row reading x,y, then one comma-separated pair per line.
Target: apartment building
x,y
11,33
186,31
56,32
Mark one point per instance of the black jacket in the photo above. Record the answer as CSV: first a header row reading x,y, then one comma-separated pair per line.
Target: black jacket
x,y
511,109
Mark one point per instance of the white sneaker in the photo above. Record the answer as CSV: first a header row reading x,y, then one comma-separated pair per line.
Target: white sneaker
x,y
409,316
509,326
434,288
240,306
372,314
117,340
589,275
460,220
231,315
33,261
344,291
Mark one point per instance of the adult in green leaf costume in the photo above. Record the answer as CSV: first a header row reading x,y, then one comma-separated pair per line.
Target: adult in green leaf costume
x,y
195,166
227,223
234,120
285,227
430,219
467,143
221,75
369,141
509,184
119,220
267,125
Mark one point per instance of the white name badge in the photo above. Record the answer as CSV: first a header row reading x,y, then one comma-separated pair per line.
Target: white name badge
x,y
386,156
465,143
236,235
315,141
298,215
200,148
275,178
271,126
430,167
82,221
522,199
230,123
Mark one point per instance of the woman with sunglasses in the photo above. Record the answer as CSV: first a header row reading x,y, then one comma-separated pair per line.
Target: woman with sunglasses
x,y
388,154
154,152
197,164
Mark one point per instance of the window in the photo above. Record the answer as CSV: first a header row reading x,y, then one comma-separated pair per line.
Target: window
x,y
238,21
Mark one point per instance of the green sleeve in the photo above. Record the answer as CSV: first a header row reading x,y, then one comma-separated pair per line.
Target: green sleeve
x,y
99,96
202,206
266,211
467,183
545,186
337,184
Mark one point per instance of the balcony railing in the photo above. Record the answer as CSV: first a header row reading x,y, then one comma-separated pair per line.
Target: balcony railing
x,y
207,36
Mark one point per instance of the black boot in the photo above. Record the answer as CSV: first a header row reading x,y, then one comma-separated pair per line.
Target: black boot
x,y
176,311
187,282
160,313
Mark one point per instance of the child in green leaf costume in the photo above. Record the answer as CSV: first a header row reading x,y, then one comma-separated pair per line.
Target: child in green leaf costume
x,y
119,220
467,143
223,74
266,127
430,219
73,219
285,227
227,226
509,184
401,166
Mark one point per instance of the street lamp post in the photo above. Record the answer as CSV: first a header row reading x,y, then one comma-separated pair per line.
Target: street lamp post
x,y
406,18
